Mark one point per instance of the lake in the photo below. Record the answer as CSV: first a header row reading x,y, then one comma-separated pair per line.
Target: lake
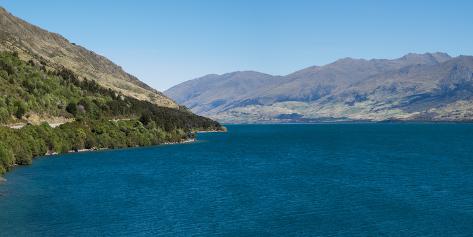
x,y
256,180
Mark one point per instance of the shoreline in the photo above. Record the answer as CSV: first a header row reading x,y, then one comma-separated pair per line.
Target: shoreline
x,y
189,140
50,153
224,130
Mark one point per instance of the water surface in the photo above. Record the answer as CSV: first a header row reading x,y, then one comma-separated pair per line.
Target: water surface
x,y
283,180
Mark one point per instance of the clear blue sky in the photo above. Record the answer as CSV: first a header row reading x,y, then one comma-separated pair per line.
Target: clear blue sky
x,y
167,42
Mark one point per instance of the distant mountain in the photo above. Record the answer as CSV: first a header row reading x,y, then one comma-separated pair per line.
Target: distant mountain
x,y
430,86
215,92
54,51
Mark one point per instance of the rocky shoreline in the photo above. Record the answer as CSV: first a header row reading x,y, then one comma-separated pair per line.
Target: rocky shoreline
x,y
51,153
223,130
190,140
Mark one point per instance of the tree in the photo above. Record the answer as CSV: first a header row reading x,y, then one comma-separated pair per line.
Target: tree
x,y
90,142
20,110
4,115
146,118
6,158
71,108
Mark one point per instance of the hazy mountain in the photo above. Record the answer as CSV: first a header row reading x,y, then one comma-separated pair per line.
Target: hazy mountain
x,y
431,86
217,92
54,51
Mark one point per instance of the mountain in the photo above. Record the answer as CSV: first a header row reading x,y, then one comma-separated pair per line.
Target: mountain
x,y
430,87
55,52
57,97
215,93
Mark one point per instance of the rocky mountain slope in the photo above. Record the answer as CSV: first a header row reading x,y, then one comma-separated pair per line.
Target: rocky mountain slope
x,y
54,52
431,87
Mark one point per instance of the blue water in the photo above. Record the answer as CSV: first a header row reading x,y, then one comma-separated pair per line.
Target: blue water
x,y
256,180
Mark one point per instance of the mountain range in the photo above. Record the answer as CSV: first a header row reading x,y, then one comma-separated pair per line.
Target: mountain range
x,y
421,87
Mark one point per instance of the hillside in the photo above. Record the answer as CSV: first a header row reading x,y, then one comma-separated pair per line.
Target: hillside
x,y
55,52
428,87
98,117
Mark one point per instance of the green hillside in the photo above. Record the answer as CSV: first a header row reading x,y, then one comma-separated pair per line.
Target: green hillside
x,y
100,117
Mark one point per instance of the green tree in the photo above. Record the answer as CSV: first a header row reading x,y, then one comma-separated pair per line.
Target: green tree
x,y
20,110
4,115
6,158
71,108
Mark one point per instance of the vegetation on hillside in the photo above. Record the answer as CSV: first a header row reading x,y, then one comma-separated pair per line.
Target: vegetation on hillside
x,y
28,88
19,146
55,51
